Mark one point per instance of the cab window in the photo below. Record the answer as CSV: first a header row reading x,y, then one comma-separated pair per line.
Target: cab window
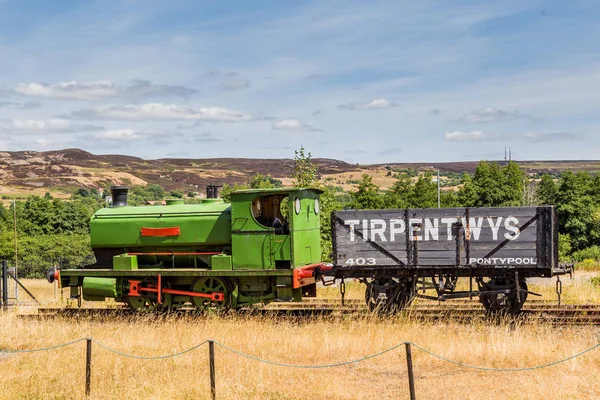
x,y
266,210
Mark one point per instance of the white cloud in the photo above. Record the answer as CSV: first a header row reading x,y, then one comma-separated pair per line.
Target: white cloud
x,y
205,137
372,105
100,90
552,137
233,81
491,114
189,125
160,111
292,125
471,136
39,126
479,136
20,106
127,135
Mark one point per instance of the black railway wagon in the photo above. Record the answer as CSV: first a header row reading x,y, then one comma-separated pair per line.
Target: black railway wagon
x,y
398,252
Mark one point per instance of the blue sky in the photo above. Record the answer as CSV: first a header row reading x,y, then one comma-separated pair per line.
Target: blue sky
x,y
366,82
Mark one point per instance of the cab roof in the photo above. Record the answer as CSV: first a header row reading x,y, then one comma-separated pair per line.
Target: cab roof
x,y
275,191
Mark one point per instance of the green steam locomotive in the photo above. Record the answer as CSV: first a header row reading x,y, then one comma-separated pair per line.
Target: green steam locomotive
x,y
264,246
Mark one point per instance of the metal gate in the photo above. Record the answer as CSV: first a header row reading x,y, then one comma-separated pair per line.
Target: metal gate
x,y
15,291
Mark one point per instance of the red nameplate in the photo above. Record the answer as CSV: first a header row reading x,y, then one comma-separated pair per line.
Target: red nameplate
x,y
161,232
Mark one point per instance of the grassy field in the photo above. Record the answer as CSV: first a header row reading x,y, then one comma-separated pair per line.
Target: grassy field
x,y
59,374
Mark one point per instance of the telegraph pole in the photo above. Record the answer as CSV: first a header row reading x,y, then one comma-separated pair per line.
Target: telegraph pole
x,y
438,184
16,245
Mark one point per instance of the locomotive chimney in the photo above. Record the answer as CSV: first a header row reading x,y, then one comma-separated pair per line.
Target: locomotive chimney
x,y
119,195
212,192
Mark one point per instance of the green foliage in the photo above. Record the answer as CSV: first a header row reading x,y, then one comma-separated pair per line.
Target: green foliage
x,y
367,196
590,253
424,193
578,215
83,192
260,181
176,193
139,195
191,194
449,198
48,229
226,191
305,172
37,254
546,190
467,196
564,247
494,186
327,204
399,195
405,193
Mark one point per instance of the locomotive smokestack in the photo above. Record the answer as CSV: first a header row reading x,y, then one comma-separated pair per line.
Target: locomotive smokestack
x,y
212,192
119,195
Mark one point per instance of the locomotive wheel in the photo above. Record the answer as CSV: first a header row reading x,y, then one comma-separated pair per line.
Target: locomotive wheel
x,y
209,285
504,303
389,295
145,304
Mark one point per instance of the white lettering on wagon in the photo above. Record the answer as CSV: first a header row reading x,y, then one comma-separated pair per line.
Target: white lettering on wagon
x,y
432,229
504,261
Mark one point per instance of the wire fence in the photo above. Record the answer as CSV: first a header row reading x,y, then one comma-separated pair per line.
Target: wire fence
x,y
211,343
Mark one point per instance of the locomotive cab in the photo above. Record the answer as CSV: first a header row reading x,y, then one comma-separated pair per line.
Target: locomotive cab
x,y
283,223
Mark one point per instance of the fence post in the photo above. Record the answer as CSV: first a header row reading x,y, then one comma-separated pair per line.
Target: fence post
x,y
88,365
411,376
211,354
4,284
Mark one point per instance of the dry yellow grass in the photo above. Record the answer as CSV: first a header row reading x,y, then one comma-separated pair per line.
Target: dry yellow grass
x,y
59,374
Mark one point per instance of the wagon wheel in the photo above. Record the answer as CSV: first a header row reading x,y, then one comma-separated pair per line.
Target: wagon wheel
x,y
147,304
389,295
210,285
502,303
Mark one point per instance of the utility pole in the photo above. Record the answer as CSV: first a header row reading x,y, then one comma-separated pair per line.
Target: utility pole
x,y
16,245
438,184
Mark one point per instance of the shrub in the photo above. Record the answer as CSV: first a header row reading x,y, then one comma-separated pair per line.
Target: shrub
x,y
591,253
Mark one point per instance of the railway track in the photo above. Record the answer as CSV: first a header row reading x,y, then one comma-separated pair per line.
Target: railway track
x,y
463,311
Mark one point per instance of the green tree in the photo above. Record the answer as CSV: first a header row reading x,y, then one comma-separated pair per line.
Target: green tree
x,y
305,172
546,190
424,193
260,181
467,194
513,185
576,210
450,198
399,195
493,186
305,175
226,191
176,193
367,195
156,191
